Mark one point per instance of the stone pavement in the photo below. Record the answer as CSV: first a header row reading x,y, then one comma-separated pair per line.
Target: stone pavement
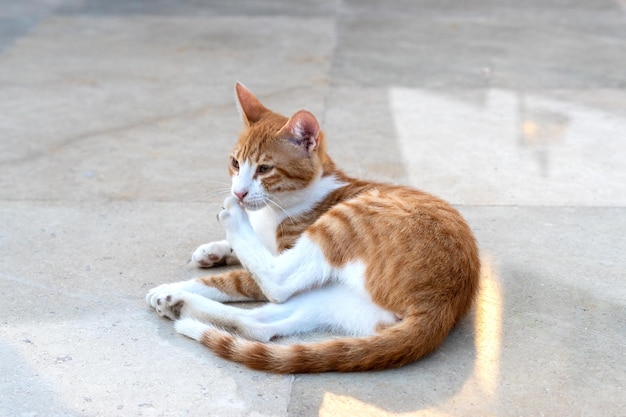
x,y
116,118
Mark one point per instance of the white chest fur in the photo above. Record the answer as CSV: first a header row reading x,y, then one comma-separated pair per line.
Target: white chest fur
x,y
264,222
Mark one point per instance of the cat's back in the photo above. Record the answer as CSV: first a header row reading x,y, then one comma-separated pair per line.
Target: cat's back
x,y
376,215
409,239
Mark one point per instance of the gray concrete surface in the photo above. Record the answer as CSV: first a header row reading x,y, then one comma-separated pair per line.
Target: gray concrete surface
x,y
116,118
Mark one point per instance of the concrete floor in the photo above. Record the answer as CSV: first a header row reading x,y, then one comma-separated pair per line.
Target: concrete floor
x,y
116,118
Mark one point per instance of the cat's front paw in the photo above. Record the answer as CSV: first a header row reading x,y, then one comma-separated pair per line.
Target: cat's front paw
x,y
166,301
213,254
232,214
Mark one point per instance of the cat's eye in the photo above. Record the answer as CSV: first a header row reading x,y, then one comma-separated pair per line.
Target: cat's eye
x,y
234,163
262,169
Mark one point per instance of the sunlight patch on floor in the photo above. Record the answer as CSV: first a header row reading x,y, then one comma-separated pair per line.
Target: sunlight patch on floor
x,y
481,387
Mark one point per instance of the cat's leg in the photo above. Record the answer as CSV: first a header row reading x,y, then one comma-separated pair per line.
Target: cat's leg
x,y
176,304
260,324
337,308
231,286
214,254
278,276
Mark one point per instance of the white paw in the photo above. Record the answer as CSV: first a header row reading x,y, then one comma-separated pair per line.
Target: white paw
x,y
167,300
232,215
192,328
213,254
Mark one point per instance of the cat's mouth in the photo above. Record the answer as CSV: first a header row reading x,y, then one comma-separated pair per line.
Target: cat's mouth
x,y
253,205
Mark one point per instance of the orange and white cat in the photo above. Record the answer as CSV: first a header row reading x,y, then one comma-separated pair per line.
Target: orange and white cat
x,y
391,268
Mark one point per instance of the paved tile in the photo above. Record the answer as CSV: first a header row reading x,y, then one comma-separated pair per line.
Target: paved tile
x,y
103,110
81,340
482,44
116,118
511,147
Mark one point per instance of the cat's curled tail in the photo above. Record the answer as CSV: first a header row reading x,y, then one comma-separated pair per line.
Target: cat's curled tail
x,y
402,343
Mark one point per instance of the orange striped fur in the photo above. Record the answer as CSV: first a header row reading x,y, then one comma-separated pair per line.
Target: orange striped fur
x,y
410,253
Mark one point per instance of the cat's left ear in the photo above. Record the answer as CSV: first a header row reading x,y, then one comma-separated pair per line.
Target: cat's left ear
x,y
252,109
303,130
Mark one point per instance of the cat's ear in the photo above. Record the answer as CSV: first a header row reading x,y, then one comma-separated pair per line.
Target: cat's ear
x,y
251,108
303,130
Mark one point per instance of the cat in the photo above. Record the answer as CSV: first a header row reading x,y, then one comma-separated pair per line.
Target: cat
x,y
390,268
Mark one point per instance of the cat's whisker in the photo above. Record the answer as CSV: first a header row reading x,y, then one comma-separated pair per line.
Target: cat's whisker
x,y
270,199
213,194
269,207
277,202
221,183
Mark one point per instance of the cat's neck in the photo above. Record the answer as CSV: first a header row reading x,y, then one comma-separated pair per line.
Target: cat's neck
x,y
294,205
304,200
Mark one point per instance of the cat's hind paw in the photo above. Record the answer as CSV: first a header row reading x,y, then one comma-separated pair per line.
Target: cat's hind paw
x,y
213,254
166,303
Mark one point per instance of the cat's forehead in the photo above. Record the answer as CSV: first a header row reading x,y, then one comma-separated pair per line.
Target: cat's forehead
x,y
259,151
253,155
253,147
260,142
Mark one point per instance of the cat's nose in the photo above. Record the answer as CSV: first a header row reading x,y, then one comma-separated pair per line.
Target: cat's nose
x,y
241,194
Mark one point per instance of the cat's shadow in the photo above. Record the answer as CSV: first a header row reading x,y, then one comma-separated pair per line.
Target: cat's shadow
x,y
462,373
429,382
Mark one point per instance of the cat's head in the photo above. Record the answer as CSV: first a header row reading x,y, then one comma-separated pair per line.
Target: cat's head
x,y
275,156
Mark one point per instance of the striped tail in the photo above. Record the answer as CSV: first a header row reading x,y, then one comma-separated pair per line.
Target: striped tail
x,y
400,344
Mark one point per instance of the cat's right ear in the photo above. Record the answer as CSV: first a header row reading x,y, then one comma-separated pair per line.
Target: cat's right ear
x,y
302,130
251,108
